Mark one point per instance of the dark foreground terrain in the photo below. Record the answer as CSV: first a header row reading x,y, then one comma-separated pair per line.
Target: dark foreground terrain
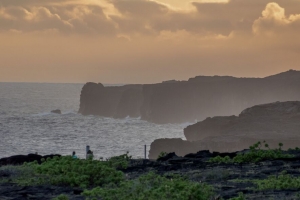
x,y
277,178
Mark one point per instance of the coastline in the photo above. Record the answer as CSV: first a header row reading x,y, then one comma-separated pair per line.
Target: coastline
x,y
227,179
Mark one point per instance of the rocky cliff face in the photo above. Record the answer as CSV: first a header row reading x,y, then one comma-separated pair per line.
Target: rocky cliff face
x,y
275,122
118,101
187,101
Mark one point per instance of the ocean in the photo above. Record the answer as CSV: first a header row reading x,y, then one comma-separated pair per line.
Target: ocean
x,y
28,126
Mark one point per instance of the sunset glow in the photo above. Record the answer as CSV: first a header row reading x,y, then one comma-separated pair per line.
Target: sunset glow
x,y
118,41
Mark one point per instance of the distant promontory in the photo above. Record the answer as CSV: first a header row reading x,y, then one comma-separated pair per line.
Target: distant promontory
x,y
275,123
188,101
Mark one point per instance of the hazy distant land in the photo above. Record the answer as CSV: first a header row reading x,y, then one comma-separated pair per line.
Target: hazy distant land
x,y
188,101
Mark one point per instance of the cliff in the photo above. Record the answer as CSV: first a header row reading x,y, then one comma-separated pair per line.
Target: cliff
x,y
117,101
188,101
275,122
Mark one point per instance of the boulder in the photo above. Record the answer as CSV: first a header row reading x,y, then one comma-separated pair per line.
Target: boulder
x,y
57,111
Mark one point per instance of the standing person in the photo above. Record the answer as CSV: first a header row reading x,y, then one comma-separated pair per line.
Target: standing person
x,y
89,155
74,155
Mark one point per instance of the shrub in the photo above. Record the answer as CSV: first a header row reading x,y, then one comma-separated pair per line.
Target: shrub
x,y
75,172
120,162
61,197
162,154
152,186
280,182
240,197
255,154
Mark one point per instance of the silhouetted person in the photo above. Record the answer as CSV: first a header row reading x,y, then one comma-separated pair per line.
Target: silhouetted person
x,y
89,154
74,155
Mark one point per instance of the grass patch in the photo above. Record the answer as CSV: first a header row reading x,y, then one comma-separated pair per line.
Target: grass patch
x,y
255,154
153,186
61,197
281,182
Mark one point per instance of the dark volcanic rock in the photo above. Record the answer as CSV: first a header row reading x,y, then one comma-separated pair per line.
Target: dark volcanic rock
x,y
20,159
9,191
167,157
200,154
227,179
179,146
57,111
187,101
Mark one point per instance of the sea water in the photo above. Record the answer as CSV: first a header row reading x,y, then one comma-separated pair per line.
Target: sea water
x,y
28,126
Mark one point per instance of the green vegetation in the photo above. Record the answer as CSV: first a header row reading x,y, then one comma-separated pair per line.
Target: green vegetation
x,y
61,197
162,154
255,154
103,179
153,186
75,172
240,197
18,174
108,182
280,182
119,162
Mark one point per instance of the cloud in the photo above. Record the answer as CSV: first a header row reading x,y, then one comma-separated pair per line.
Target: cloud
x,y
63,16
131,17
274,21
35,18
145,40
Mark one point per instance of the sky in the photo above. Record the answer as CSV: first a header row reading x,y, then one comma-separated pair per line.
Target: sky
x,y
146,41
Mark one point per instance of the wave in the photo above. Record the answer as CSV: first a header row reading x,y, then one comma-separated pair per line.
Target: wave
x,y
42,114
71,112
136,118
186,124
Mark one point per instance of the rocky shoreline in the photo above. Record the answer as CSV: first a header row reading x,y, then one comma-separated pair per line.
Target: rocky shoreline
x,y
228,180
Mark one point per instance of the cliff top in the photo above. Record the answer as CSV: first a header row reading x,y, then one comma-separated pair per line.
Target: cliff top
x,y
290,74
276,109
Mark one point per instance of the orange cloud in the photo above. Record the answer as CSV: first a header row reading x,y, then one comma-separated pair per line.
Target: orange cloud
x,y
123,41
274,21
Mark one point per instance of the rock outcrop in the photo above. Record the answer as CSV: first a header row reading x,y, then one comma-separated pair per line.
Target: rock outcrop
x,y
177,145
21,159
10,191
57,111
278,120
274,123
187,101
